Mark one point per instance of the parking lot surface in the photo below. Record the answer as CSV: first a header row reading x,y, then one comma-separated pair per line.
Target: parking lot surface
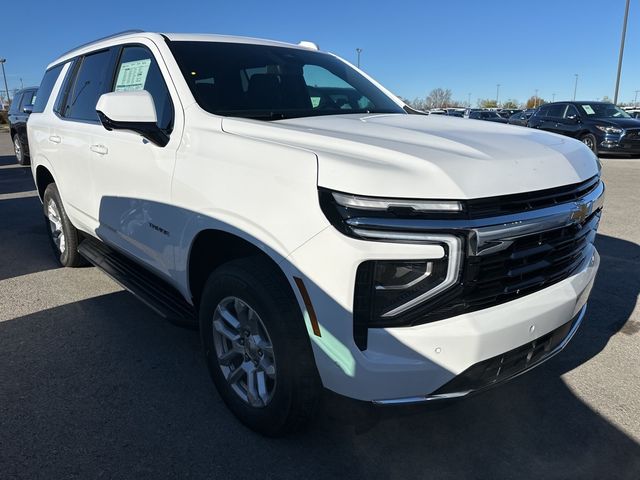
x,y
95,385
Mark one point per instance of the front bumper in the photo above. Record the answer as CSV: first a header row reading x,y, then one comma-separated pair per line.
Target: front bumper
x,y
402,364
618,144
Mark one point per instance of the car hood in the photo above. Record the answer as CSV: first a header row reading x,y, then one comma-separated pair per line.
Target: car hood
x,y
617,122
417,156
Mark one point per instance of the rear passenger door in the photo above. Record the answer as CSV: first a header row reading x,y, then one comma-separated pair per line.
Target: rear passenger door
x,y
132,176
554,118
73,128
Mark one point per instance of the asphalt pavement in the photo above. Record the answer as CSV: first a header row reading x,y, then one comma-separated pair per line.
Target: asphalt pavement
x,y
94,385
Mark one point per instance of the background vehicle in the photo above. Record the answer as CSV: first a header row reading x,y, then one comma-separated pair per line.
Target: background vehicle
x,y
602,126
317,237
508,112
521,118
18,115
489,116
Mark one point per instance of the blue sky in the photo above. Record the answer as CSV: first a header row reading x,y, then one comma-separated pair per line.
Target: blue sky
x,y
410,46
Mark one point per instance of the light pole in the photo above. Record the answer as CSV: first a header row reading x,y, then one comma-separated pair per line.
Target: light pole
x,y
575,87
6,88
535,99
469,101
358,51
553,97
624,34
498,95
635,100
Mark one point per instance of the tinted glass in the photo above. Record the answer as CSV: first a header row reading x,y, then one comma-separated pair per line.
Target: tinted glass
x,y
556,110
91,80
27,98
15,103
46,85
542,111
271,83
138,70
571,112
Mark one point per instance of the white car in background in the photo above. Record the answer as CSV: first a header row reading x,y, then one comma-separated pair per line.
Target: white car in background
x,y
317,233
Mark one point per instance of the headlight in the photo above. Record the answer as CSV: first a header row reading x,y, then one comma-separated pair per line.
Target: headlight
x,y
394,293
389,204
609,129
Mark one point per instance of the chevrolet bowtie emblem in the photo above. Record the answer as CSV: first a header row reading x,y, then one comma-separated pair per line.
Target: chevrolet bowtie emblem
x,y
580,212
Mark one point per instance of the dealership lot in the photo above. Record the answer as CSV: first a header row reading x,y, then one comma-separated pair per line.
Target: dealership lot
x,y
95,385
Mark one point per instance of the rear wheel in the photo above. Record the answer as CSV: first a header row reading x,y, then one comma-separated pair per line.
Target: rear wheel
x,y
21,156
63,235
590,141
257,347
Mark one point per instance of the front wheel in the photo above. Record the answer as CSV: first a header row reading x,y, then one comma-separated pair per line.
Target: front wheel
x,y
63,235
257,347
590,141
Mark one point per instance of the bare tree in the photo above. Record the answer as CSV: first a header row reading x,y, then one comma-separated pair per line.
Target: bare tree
x,y
438,98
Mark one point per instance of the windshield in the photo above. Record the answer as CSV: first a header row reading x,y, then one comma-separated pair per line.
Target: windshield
x,y
604,110
271,83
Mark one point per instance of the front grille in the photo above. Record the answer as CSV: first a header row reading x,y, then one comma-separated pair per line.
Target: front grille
x,y
530,264
503,367
523,202
632,135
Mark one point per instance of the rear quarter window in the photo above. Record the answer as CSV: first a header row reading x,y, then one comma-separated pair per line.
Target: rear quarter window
x,y
46,86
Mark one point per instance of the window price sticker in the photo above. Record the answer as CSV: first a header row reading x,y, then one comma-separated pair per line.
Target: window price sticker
x,y
132,75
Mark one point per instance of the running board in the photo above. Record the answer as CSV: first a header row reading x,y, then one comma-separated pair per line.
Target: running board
x,y
154,292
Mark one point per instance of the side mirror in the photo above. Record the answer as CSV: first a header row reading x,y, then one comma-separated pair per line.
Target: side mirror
x,y
132,111
28,109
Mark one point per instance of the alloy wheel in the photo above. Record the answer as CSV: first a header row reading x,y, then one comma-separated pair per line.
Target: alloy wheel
x,y
55,225
244,351
17,148
588,141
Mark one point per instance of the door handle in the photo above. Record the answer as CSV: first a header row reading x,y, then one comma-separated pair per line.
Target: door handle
x,y
55,139
100,149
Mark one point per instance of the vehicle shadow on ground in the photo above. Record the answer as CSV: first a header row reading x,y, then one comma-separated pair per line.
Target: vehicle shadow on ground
x,y
103,387
23,234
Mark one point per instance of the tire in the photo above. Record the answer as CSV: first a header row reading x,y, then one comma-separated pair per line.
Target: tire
x,y
63,235
291,388
18,148
590,141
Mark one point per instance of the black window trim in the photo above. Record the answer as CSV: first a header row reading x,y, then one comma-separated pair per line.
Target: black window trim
x,y
71,78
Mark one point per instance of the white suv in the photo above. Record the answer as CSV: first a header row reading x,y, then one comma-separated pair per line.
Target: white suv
x,y
318,233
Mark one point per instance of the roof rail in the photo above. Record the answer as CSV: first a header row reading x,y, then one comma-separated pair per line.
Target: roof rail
x,y
113,35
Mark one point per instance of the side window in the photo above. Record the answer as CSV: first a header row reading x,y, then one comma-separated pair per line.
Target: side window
x,y
572,111
27,99
137,69
91,80
556,111
15,103
46,86
542,111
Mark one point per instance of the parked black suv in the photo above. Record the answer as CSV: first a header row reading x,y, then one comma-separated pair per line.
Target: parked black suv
x,y
18,114
489,116
602,126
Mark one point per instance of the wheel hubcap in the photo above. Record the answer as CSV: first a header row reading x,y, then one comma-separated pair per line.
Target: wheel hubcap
x,y
244,351
17,148
588,142
55,225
